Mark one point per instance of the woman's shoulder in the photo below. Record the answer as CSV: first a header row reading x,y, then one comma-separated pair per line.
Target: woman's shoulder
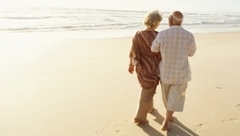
x,y
146,31
139,31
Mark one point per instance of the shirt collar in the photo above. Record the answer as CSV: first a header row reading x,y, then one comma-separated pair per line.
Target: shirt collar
x,y
176,26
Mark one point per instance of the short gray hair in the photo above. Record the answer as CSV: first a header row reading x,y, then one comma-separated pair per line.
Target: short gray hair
x,y
177,17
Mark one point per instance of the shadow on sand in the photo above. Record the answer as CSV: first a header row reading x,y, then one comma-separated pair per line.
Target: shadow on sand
x,y
150,130
177,128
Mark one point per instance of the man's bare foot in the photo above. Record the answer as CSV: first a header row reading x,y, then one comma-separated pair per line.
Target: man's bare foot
x,y
165,126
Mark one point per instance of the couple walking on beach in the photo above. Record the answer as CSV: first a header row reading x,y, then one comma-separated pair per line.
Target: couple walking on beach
x,y
162,58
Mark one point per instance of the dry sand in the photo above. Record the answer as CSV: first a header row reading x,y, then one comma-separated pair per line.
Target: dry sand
x,y
56,86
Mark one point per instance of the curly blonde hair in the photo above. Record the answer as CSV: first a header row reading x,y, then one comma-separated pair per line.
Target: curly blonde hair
x,y
152,18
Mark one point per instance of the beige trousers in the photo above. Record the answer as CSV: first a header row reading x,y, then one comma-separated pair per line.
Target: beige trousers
x,y
145,104
173,96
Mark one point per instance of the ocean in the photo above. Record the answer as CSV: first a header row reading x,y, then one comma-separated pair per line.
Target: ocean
x,y
104,23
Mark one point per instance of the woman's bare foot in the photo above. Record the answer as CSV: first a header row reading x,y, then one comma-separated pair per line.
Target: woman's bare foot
x,y
151,111
138,121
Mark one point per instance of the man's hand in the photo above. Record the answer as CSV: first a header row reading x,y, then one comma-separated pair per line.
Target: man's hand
x,y
131,68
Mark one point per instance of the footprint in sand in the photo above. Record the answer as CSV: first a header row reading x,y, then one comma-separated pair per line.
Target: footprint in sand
x,y
233,120
118,128
198,127
238,106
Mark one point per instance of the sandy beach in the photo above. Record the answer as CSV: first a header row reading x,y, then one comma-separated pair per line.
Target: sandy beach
x,y
61,86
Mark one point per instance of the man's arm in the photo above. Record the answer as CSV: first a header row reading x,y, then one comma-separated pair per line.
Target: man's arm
x,y
193,48
155,47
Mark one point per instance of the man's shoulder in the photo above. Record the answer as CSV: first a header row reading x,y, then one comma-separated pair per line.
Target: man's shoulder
x,y
163,31
187,31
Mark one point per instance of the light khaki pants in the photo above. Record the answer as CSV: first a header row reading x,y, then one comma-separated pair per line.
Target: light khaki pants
x,y
145,103
173,96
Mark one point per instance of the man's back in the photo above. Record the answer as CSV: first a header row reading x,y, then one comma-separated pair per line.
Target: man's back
x,y
176,44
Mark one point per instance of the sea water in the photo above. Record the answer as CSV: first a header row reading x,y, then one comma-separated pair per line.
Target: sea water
x,y
100,23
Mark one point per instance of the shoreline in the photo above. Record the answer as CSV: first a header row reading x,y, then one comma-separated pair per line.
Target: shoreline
x,y
98,34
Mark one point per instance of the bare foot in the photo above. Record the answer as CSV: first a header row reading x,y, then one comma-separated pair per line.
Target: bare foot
x,y
165,126
151,111
138,121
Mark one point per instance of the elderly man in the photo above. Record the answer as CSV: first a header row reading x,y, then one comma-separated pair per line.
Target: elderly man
x,y
175,45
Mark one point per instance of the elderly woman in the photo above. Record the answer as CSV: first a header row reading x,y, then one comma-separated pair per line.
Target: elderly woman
x,y
146,64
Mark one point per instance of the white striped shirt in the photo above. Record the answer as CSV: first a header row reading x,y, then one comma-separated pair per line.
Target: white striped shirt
x,y
176,45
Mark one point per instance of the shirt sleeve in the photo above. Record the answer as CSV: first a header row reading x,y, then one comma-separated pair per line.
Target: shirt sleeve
x,y
134,52
155,47
193,48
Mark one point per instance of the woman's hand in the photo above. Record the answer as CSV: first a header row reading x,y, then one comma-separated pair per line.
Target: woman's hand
x,y
131,68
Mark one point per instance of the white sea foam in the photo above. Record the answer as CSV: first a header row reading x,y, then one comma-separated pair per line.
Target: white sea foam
x,y
107,22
